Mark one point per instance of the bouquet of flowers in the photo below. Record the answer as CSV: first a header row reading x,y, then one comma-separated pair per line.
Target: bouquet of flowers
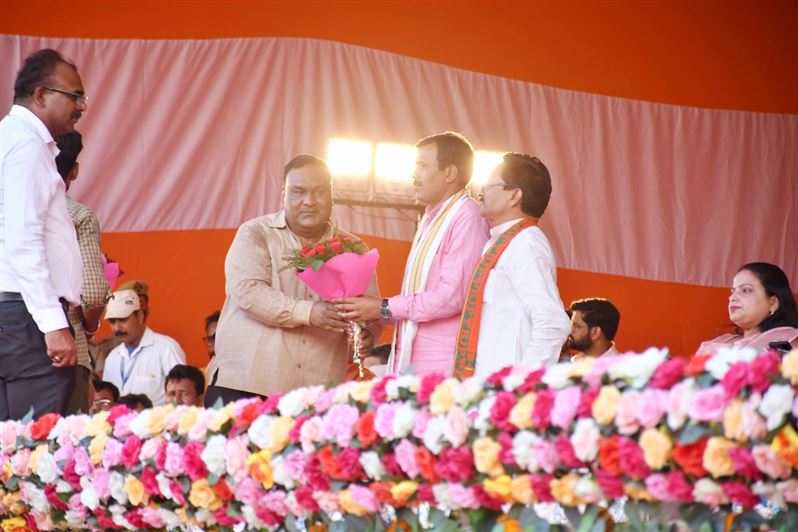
x,y
339,267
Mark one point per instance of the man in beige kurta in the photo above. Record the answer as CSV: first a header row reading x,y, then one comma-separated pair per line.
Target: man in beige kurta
x,y
274,333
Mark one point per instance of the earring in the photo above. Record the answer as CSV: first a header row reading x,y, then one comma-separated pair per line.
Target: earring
x,y
772,311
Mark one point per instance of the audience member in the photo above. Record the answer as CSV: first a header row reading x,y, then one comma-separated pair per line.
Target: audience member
x,y
106,395
95,290
40,264
135,401
513,314
594,324
99,350
274,333
185,385
445,250
210,333
378,356
144,358
762,307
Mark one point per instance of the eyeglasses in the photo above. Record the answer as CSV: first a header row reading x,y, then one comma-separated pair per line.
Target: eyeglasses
x,y
80,99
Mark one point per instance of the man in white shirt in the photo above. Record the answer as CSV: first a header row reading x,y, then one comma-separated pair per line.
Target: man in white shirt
x,y
513,314
594,323
40,263
141,363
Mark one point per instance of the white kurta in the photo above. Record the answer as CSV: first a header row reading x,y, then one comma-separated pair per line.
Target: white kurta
x,y
523,320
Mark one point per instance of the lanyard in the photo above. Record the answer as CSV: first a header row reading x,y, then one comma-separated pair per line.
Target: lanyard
x,y
126,375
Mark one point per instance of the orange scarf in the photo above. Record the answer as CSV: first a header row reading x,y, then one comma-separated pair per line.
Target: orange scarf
x,y
465,358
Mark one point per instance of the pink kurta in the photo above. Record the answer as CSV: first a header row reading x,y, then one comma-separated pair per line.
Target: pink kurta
x,y
437,309
757,341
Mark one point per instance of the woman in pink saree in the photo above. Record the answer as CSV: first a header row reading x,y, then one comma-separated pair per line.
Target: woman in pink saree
x,y
762,307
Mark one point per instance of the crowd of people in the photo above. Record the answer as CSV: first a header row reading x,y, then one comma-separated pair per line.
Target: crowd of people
x,y
479,291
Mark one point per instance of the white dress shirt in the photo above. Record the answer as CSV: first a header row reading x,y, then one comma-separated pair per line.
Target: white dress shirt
x,y
144,370
39,253
523,321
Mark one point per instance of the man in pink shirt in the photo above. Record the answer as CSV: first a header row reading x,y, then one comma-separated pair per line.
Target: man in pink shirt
x,y
447,246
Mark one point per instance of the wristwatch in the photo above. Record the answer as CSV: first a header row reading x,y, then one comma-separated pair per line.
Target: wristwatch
x,y
385,312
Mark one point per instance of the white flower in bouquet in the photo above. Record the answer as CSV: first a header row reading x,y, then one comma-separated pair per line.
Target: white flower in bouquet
x,y
709,492
403,420
170,519
259,431
558,375
433,436
34,496
140,424
588,490
441,492
280,474
482,422
522,450
638,368
116,485
467,391
163,486
293,403
770,492
719,364
213,455
372,465
679,399
88,496
585,439
516,378
776,404
46,468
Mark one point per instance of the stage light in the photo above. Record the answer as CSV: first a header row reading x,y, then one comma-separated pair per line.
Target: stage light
x,y
484,163
349,158
395,162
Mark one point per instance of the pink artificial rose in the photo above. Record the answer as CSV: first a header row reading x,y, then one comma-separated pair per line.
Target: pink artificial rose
x,y
566,404
130,451
496,378
420,425
762,369
790,490
378,393
271,403
545,454
174,459
770,463
531,381
425,494
633,461
348,463
626,415
456,427
668,373
651,407
83,465
323,401
248,491
611,485
541,487
427,385
236,453
310,434
462,496
199,429
339,424
744,465
99,480
304,496
599,369
565,451
328,502
541,413
73,429
678,487
735,378
657,486
147,477
274,501
383,421
754,425
455,464
122,425
406,458
365,498
586,403
740,493
20,463
193,465
500,411
112,453
151,516
295,464
77,507
64,453
708,404
150,448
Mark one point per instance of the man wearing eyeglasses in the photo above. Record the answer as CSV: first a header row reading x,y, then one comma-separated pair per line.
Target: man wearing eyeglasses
x,y
40,263
513,314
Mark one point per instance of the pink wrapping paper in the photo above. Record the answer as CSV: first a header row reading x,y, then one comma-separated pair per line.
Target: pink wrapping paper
x,y
347,275
111,271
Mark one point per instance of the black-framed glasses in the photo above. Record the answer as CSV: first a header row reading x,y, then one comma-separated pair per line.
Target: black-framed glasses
x,y
80,99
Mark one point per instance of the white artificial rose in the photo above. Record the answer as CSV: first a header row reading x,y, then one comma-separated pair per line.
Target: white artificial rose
x,y
720,362
709,492
403,420
516,378
251,517
34,497
259,431
47,468
341,395
116,485
170,519
588,490
522,450
372,465
163,486
441,492
678,401
88,495
482,422
776,404
558,375
770,492
638,368
213,455
293,403
433,436
468,391
585,439
280,474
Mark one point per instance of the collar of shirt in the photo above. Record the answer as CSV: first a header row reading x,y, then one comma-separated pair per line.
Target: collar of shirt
x,y
431,210
147,339
496,231
27,116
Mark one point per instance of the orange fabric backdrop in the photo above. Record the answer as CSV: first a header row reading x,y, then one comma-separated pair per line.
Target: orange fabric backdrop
x,y
741,55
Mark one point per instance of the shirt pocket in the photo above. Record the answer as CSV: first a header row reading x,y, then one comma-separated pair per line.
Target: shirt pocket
x,y
146,384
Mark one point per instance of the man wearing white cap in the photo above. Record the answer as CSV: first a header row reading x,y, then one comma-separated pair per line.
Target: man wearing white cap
x,y
142,361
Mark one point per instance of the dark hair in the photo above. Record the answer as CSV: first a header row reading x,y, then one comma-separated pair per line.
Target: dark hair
x,y
133,400
70,146
183,371
599,312
213,318
453,148
532,177
383,352
775,282
37,69
105,385
305,159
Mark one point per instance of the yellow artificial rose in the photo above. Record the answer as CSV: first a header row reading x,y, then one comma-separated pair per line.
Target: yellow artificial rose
x,y
14,524
348,503
638,493
135,491
486,456
362,392
789,367
521,413
442,397
98,424
716,458
34,457
203,496
7,472
656,448
187,420
279,433
562,489
96,448
733,421
581,366
606,404
260,468
157,417
401,491
222,416
12,501
500,487
785,444
522,490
